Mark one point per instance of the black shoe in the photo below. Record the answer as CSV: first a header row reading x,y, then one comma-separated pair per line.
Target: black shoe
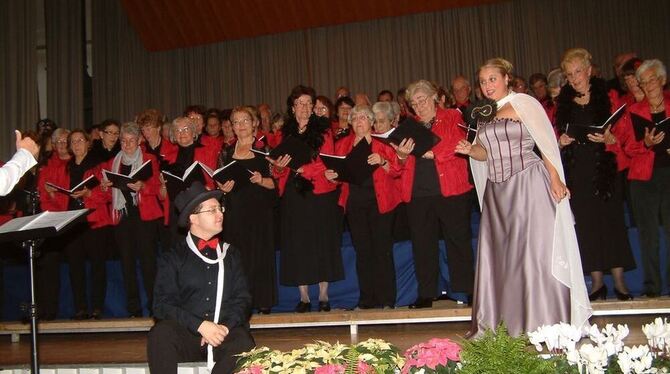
x,y
303,307
651,295
422,303
622,296
365,306
600,293
264,310
80,315
324,306
97,314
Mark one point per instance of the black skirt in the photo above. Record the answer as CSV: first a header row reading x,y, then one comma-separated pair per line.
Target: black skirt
x,y
311,235
600,226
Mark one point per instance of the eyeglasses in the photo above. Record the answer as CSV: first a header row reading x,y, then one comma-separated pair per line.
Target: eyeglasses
x,y
112,133
360,118
212,210
182,130
649,81
303,104
420,101
77,141
245,121
321,109
61,141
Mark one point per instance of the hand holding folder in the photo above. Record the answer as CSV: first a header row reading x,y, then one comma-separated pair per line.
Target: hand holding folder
x,y
299,151
424,139
641,126
354,167
89,183
234,170
581,133
121,181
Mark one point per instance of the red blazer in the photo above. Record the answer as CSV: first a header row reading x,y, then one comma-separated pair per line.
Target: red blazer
x,y
642,158
623,135
148,198
167,148
212,141
313,171
207,154
55,171
452,169
385,183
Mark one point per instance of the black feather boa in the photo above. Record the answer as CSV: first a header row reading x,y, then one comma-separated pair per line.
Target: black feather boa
x,y
606,167
313,136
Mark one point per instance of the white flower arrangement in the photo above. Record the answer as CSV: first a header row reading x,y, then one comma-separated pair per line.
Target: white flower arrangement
x,y
658,336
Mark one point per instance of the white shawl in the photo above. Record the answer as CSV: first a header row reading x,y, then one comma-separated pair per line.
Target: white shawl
x,y
566,262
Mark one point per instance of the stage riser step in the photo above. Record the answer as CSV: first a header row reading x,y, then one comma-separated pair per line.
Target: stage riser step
x,y
187,368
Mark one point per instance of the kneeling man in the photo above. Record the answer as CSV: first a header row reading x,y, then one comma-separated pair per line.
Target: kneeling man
x,y
201,299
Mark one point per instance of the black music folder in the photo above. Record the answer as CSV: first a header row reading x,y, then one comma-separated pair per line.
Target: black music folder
x,y
424,139
354,167
580,132
299,151
234,170
121,181
641,123
90,182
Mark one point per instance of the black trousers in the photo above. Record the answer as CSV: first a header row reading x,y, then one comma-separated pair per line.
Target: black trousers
x,y
371,233
84,245
169,343
651,201
47,275
427,216
137,240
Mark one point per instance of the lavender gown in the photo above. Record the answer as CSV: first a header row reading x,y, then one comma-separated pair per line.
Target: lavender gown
x,y
514,283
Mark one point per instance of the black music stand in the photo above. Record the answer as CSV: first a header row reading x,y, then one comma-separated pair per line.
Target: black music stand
x,y
29,230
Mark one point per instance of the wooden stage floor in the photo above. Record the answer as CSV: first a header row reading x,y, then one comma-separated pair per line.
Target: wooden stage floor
x,y
130,347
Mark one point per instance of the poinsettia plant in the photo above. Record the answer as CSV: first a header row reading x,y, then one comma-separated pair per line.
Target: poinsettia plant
x,y
434,356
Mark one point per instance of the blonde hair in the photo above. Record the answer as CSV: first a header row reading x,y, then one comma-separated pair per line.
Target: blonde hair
x,y
423,86
504,67
576,55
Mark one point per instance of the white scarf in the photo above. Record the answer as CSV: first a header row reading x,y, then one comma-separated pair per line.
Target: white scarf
x,y
221,252
566,263
135,161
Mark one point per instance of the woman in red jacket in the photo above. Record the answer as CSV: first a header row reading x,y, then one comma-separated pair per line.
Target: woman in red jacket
x,y
84,238
436,188
649,171
311,220
136,212
48,263
369,207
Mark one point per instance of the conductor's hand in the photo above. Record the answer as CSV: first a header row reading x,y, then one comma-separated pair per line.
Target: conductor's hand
x,y
330,175
27,143
564,140
463,147
651,138
226,187
212,333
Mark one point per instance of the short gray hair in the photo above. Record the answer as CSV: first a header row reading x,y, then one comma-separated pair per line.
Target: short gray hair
x,y
362,109
176,122
556,78
386,108
131,128
656,64
58,132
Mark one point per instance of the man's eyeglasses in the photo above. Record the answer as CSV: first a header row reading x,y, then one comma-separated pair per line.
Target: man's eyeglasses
x,y
212,210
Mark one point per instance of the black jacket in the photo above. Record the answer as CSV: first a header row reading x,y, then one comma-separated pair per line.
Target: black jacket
x,y
185,289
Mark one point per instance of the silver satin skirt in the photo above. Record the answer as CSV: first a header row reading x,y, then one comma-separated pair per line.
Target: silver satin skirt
x,y
513,282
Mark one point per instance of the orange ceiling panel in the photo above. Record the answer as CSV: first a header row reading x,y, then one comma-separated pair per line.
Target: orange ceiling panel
x,y
171,24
